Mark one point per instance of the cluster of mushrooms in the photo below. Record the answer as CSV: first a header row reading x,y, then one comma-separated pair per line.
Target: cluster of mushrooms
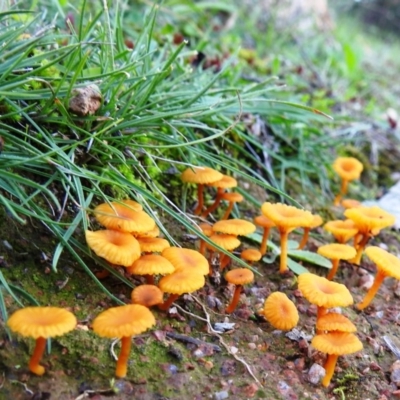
x,y
131,240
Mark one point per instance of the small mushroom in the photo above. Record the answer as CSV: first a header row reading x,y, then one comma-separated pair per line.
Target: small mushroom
x,y
349,169
152,244
336,252
123,322
41,323
286,218
238,277
186,259
280,311
342,231
266,224
180,282
150,265
147,295
323,293
315,223
250,255
335,322
387,265
335,344
231,198
200,176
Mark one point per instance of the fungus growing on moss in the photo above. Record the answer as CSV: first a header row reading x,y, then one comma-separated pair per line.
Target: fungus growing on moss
x,y
41,323
335,344
336,252
286,219
349,169
238,277
280,311
387,265
123,322
200,176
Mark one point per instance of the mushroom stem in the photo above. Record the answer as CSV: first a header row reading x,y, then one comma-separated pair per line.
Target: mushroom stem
x,y
122,367
149,279
360,248
36,357
199,207
235,299
372,291
225,260
304,238
228,211
343,191
263,245
321,311
167,303
102,274
283,262
214,206
329,366
332,272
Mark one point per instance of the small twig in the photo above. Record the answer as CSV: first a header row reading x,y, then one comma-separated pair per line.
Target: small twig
x,y
212,331
24,385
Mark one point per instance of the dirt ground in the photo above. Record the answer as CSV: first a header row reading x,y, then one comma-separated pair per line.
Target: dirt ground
x,y
183,356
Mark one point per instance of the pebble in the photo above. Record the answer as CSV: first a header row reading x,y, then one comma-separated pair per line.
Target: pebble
x,y
252,346
221,395
366,281
233,350
315,374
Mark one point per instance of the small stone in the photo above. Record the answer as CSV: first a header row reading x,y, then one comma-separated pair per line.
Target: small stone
x,y
374,366
233,350
252,346
299,364
85,101
221,395
315,374
395,373
366,281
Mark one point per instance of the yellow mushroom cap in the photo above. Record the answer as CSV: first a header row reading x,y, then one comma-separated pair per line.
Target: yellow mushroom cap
x,y
280,311
186,259
343,231
368,218
182,281
151,264
237,227
147,295
348,168
338,343
387,263
118,248
350,203
201,175
152,233
206,228
226,182
239,276
123,321
336,251
150,244
335,322
286,217
227,242
263,221
42,322
322,292
122,217
251,255
316,221
232,197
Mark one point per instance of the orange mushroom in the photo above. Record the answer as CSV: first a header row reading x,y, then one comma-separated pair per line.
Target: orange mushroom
x,y
286,219
147,295
238,277
315,223
280,311
232,198
387,265
41,323
123,322
349,169
342,231
200,176
266,224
